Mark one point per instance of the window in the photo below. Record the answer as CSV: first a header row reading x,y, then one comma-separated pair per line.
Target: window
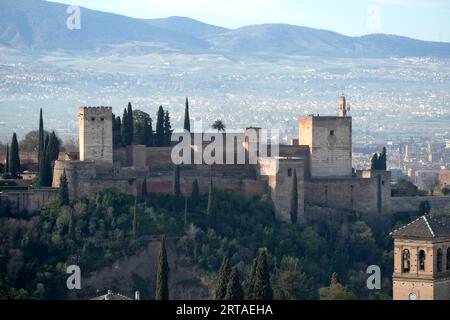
x,y
93,119
448,258
102,119
439,260
290,172
422,260
332,133
406,260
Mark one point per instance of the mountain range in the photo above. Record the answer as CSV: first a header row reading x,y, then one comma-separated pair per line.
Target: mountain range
x,y
34,26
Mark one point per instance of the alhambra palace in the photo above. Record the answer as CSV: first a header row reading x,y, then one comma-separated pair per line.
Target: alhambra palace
x,y
321,157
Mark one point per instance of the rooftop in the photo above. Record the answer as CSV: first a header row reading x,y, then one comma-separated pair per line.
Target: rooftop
x,y
423,227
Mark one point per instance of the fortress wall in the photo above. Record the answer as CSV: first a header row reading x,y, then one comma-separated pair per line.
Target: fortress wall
x,y
79,176
411,204
29,200
253,188
299,152
358,194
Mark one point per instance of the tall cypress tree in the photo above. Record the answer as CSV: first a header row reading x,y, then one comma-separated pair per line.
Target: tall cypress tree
x,y
210,210
383,160
251,280
130,129
261,286
144,192
176,189
63,194
135,219
167,129
124,131
374,162
14,159
162,277
187,121
160,139
222,280
41,138
294,199
234,287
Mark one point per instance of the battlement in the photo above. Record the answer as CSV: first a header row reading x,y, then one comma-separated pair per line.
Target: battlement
x,y
93,113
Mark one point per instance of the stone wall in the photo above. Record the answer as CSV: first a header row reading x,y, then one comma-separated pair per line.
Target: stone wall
x,y
30,200
411,204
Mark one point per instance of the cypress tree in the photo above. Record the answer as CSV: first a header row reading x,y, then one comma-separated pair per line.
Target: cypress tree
x,y
383,160
124,128
187,121
234,288
195,195
294,199
162,278
144,192
251,280
54,146
14,159
374,162
261,286
167,129
148,134
63,195
160,127
135,219
41,137
70,231
210,210
222,281
7,160
186,202
176,189
130,126
46,173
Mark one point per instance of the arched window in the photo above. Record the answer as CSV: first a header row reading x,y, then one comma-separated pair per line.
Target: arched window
x,y
421,260
439,260
448,258
406,260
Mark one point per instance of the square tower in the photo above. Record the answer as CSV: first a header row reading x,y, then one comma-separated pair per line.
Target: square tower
x,y
330,144
96,135
422,260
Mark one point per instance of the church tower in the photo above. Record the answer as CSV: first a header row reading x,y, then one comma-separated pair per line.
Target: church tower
x,y
422,260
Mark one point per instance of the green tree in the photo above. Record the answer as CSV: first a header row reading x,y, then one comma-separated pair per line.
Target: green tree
x,y
41,137
374,162
7,160
45,168
187,121
251,280
167,129
143,131
176,189
219,125
162,277
291,283
160,137
211,210
294,199
383,160
63,194
14,159
124,131
130,124
222,280
262,289
195,195
144,192
234,287
336,291
424,208
54,147
135,219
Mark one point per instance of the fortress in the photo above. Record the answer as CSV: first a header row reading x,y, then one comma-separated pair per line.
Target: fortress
x,y
321,157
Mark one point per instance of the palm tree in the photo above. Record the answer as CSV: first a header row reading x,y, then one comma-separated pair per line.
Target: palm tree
x,y
219,126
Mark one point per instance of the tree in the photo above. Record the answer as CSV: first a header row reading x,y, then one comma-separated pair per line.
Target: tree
x,y
130,124
187,121
251,280
262,289
176,189
160,138
383,160
294,199
291,283
210,210
336,291
135,219
53,147
63,194
41,137
45,166
144,192
234,288
424,208
162,277
222,280
167,129
143,131
117,127
195,195
374,162
219,126
14,159
7,160
124,131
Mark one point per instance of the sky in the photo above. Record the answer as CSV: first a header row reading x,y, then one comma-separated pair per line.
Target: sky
x,y
420,19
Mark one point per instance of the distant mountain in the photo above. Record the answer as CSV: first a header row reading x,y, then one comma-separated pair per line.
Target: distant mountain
x,y
36,25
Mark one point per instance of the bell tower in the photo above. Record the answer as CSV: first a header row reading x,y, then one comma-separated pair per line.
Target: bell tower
x,y
343,108
422,260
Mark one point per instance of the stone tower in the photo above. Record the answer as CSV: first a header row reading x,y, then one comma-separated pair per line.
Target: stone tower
x,y
330,143
343,106
422,260
95,130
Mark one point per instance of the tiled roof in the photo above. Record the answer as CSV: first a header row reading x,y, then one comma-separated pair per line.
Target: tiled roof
x,y
111,296
423,227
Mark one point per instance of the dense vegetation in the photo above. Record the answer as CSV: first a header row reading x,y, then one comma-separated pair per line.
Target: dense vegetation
x,y
93,232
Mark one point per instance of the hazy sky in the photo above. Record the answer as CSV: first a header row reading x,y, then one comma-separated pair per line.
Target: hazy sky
x,y
422,19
